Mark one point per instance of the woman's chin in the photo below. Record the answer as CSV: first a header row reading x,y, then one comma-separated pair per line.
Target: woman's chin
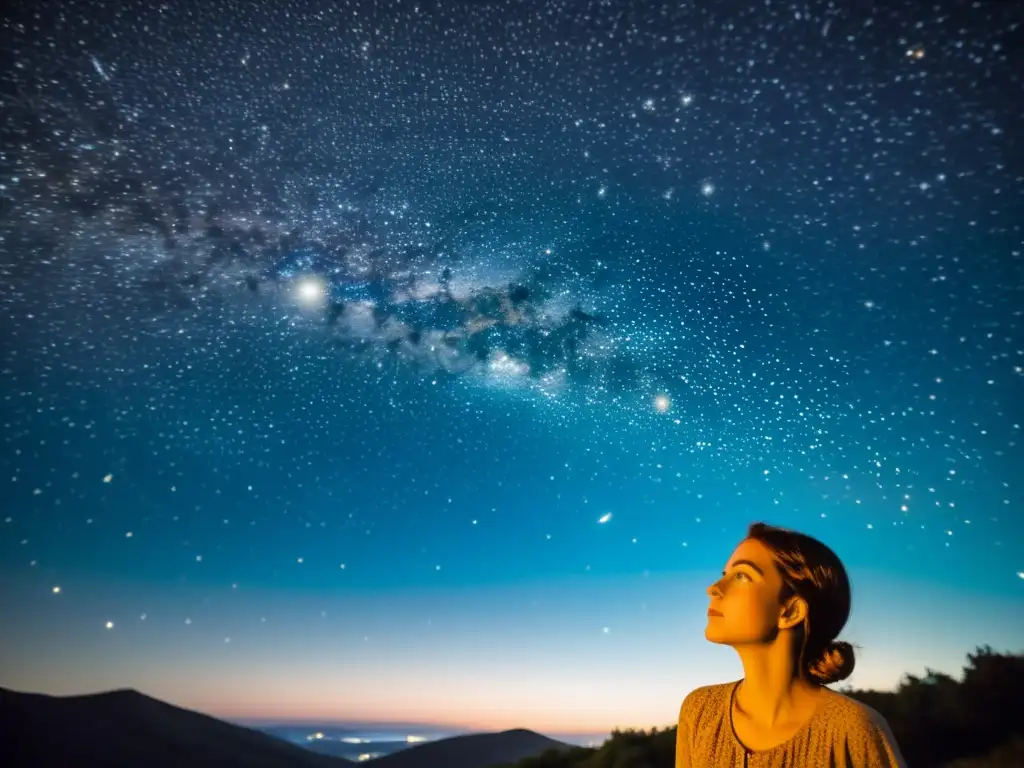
x,y
713,634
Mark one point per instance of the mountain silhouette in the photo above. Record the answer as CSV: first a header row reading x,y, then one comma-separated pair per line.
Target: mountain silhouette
x,y
125,728
476,750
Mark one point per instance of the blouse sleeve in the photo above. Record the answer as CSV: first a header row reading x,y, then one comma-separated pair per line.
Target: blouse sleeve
x,y
683,737
874,745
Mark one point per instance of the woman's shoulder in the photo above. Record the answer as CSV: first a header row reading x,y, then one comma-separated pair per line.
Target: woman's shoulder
x,y
856,714
862,730
704,700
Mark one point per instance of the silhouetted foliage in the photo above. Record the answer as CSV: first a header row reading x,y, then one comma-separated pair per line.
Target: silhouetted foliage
x,y
1009,755
938,721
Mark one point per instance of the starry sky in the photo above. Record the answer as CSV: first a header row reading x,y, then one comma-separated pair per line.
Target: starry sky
x,y
424,361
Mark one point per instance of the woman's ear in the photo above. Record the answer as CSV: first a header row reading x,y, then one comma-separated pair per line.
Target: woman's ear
x,y
793,613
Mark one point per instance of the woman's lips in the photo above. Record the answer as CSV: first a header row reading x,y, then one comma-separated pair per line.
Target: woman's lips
x,y
713,612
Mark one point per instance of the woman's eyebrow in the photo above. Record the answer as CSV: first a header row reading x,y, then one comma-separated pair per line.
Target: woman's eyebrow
x,y
747,563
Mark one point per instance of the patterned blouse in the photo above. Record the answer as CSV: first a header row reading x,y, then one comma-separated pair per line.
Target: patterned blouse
x,y
842,733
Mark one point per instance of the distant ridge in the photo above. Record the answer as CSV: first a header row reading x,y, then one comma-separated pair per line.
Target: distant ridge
x,y
124,729
127,728
476,750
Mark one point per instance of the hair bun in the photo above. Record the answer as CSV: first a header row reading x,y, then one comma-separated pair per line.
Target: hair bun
x,y
834,663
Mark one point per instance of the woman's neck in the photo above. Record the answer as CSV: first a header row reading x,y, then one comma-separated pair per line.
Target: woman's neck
x,y
771,691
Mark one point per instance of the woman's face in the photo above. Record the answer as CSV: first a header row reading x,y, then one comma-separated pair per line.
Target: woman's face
x,y
745,607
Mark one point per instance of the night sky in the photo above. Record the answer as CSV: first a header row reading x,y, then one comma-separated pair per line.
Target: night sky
x,y
424,362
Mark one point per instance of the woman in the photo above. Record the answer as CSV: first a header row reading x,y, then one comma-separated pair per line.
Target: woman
x,y
782,600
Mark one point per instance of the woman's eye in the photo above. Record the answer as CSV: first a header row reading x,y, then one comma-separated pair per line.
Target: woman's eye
x,y
742,574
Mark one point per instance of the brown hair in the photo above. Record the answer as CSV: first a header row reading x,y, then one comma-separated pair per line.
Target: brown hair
x,y
811,570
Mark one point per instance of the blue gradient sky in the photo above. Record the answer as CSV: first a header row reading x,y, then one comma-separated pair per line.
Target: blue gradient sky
x,y
277,530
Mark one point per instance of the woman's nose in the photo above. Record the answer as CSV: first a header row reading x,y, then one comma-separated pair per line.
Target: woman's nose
x,y
714,590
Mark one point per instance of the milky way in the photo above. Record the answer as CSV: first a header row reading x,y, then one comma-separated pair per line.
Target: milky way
x,y
435,250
